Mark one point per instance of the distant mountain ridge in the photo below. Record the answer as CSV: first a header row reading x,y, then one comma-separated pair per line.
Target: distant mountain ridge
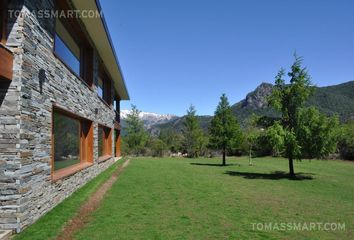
x,y
148,118
331,100
336,99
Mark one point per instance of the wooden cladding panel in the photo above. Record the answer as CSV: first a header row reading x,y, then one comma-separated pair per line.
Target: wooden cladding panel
x,y
86,149
108,142
118,144
6,64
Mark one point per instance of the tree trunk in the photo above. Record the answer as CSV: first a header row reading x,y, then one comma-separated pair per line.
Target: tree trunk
x,y
291,167
224,157
250,157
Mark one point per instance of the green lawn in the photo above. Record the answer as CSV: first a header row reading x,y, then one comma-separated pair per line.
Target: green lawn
x,y
197,199
176,198
49,226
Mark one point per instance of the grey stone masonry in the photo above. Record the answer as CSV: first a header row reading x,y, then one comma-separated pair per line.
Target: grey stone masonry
x,y
40,80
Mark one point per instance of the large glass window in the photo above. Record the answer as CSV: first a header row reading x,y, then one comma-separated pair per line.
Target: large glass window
x,y
117,109
71,44
3,19
66,48
100,87
72,141
66,141
104,86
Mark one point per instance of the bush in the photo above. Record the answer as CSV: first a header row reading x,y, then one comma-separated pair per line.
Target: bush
x,y
158,147
346,141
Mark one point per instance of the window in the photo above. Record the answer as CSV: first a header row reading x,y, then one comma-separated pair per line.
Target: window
x,y
72,46
3,20
72,140
104,85
67,141
100,87
66,48
104,141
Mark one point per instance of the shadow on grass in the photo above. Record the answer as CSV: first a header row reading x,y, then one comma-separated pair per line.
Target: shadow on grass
x,y
271,176
215,164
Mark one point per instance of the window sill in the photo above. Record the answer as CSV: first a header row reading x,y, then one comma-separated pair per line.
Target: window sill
x,y
66,172
104,158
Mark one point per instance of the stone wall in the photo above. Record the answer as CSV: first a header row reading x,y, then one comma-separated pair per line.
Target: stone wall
x,y
40,80
10,141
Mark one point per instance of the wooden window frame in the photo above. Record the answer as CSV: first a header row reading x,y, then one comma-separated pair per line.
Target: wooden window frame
x,y
85,145
107,86
6,56
72,25
3,27
107,142
117,143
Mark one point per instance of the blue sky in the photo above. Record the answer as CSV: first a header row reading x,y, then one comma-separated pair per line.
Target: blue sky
x,y
177,53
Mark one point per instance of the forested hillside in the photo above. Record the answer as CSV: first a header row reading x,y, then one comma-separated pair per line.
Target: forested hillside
x,y
337,99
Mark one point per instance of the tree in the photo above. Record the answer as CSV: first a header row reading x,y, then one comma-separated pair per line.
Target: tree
x,y
158,147
224,129
276,137
346,141
136,136
194,139
317,133
252,133
297,128
172,139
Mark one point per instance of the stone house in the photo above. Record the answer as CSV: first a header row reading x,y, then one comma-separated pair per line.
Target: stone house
x,y
60,92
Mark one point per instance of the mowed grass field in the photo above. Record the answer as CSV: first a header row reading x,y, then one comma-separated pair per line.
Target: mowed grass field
x,y
177,198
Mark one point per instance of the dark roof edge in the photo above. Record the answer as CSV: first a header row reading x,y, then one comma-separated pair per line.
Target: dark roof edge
x,y
111,43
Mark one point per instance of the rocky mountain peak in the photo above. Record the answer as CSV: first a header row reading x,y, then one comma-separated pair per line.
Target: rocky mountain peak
x,y
258,98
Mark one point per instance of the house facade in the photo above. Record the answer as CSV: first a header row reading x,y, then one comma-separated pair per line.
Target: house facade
x,y
60,92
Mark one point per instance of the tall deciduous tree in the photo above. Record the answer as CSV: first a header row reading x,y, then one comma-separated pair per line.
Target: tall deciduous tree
x,y
317,133
136,136
225,133
289,99
194,138
252,133
299,128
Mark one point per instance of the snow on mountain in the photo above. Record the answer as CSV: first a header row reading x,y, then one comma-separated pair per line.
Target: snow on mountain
x,y
149,118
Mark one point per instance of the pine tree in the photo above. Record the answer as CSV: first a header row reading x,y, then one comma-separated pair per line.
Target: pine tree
x,y
224,129
136,135
193,134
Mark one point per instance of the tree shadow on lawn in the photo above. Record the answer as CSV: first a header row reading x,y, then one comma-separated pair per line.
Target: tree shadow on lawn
x,y
277,175
216,164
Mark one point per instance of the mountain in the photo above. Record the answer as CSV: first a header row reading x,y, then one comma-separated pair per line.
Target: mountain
x,y
177,124
148,118
255,103
336,99
332,100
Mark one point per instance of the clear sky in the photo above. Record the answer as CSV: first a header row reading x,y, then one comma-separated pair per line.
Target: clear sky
x,y
174,53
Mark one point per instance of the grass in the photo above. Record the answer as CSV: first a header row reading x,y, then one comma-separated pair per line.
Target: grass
x,y
49,226
175,198
198,199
